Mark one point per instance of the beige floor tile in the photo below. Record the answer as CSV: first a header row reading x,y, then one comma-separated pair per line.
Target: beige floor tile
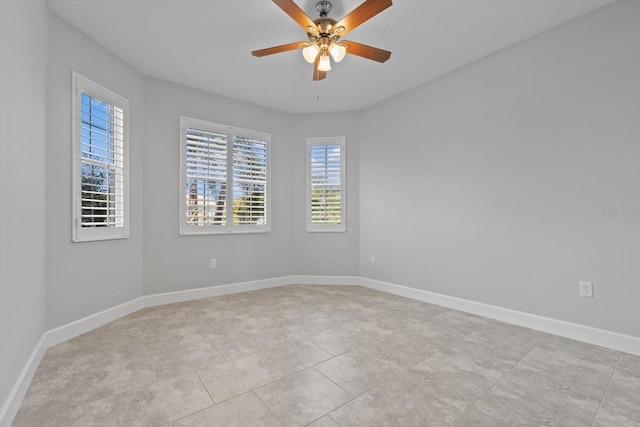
x,y
293,356
408,399
109,336
45,393
185,359
562,364
628,367
361,369
43,405
301,398
482,352
101,413
435,392
621,404
512,403
559,383
409,348
42,416
237,376
55,363
162,402
325,421
105,381
473,370
239,344
378,327
242,411
338,340
320,319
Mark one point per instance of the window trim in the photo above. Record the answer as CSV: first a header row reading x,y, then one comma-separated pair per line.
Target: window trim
x,y
80,85
229,227
327,228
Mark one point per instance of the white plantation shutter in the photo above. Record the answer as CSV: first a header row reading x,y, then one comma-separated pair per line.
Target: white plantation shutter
x,y
249,181
102,163
325,184
100,159
206,177
219,161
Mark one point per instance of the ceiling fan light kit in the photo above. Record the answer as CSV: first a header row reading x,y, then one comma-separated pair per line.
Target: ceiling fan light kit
x,y
324,34
325,63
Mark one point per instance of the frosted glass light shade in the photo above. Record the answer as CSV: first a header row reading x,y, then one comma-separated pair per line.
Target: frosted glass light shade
x,y
310,52
337,51
325,63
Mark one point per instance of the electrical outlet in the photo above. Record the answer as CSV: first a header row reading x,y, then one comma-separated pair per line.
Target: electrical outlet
x,y
373,259
212,263
586,289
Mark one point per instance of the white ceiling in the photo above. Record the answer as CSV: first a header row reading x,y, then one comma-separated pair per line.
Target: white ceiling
x,y
207,44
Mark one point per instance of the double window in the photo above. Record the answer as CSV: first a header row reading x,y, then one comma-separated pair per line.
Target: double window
x,y
326,184
100,160
225,179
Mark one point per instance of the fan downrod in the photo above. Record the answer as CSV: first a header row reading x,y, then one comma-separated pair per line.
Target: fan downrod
x,y
323,7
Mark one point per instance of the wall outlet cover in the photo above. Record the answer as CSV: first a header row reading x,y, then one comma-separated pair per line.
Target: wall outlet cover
x,y
586,289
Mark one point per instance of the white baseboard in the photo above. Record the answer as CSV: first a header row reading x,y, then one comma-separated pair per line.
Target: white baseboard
x,y
616,341
89,323
212,291
323,280
613,340
12,403
234,288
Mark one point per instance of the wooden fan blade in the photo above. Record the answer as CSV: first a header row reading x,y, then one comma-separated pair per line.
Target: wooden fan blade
x,y
277,49
365,51
362,13
298,15
317,74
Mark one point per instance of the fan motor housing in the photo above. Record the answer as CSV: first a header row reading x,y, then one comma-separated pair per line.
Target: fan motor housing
x,y
325,26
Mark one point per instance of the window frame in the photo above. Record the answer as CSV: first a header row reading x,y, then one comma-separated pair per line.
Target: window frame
x,y
82,85
229,227
327,228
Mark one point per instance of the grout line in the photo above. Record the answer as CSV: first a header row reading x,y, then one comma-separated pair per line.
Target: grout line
x,y
355,397
606,390
342,388
213,403
266,406
498,380
349,393
115,397
205,388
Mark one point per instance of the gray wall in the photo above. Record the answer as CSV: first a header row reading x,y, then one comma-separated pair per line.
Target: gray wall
x,y
23,51
173,262
75,285
505,177
331,254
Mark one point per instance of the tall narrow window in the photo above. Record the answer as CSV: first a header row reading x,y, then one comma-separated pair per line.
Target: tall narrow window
x,y
100,147
225,179
326,184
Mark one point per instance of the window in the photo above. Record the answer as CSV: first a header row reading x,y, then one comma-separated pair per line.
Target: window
x,y
100,162
219,161
325,184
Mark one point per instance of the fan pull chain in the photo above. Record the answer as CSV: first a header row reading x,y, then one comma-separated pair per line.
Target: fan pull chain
x,y
317,90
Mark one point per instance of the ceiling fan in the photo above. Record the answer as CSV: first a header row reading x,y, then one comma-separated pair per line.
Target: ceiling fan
x,y
324,35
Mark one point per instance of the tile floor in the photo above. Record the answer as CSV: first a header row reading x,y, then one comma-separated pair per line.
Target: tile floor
x,y
326,356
